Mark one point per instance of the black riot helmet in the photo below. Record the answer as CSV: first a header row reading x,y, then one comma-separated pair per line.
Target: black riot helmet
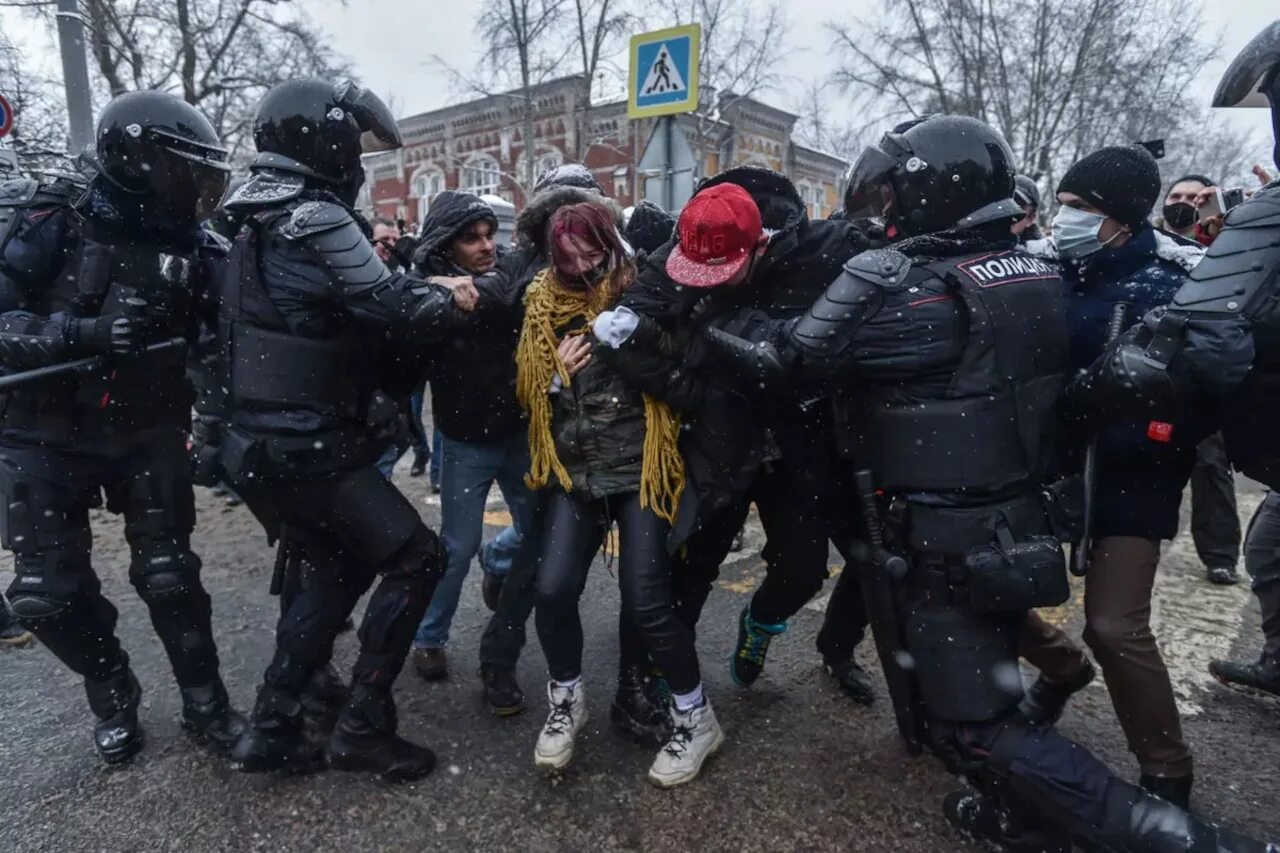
x,y
163,151
1253,79
319,130
932,174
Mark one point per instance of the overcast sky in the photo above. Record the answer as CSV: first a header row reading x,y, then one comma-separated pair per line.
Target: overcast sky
x,y
390,44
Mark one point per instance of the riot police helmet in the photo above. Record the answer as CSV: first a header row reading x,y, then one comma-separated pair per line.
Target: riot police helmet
x,y
1253,79
160,149
932,174
319,130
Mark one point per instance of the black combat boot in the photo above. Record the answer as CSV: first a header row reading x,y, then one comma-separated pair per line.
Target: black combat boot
x,y
208,715
1045,700
501,690
323,696
274,740
853,679
1263,676
1146,822
1175,789
985,821
114,702
364,740
636,713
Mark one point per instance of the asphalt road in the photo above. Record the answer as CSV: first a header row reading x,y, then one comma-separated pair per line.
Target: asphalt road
x,y
802,768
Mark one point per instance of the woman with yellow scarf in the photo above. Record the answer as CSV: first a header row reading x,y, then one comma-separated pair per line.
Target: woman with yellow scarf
x,y
606,453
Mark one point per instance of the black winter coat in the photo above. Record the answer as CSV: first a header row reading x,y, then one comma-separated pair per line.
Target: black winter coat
x,y
727,422
472,373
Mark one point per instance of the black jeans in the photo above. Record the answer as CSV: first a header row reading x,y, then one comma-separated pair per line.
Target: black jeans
x,y
1215,522
573,530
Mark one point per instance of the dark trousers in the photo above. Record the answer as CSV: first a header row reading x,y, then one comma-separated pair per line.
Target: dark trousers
x,y
351,528
797,528
573,531
146,477
1117,609
845,623
1215,521
504,636
1262,562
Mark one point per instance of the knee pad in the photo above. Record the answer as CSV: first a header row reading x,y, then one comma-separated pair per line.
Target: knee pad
x,y
423,556
162,569
966,665
32,609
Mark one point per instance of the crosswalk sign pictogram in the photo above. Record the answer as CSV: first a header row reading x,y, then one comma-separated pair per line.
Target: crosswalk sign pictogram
x,y
664,72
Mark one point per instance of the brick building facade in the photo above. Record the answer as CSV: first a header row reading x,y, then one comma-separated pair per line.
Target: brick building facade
x,y
478,146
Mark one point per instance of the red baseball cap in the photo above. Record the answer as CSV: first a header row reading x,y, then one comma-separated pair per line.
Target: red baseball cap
x,y
719,229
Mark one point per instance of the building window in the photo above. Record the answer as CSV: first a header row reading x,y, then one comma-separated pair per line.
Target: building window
x,y
481,175
547,159
426,184
814,199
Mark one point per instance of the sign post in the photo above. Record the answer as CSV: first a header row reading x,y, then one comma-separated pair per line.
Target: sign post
x,y
662,83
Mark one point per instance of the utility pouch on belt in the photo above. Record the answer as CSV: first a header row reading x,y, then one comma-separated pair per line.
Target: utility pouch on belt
x,y
1010,576
241,456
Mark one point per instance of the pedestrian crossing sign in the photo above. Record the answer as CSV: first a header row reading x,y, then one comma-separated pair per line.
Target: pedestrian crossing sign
x,y
664,72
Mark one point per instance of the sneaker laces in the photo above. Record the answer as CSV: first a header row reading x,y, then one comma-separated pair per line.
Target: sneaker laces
x,y
757,645
678,743
560,720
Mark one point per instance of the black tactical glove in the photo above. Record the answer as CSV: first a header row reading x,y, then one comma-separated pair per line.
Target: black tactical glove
x,y
114,334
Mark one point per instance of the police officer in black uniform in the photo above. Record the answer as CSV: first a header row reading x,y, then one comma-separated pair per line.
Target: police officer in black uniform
x,y
308,319
949,349
115,270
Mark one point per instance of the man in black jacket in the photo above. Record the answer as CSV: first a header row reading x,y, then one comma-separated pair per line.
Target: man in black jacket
x,y
951,347
473,402
104,272
308,320
741,445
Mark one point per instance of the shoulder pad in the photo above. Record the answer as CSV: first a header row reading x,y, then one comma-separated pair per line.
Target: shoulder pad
x,y
264,190
1239,270
17,191
885,268
315,217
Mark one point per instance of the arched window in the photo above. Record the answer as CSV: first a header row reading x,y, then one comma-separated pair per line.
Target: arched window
x,y
481,175
426,184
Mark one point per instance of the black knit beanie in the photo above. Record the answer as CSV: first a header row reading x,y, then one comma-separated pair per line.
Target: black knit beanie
x,y
1123,181
1197,178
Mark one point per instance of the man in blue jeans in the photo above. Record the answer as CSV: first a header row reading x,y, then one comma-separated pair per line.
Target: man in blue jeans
x,y
482,429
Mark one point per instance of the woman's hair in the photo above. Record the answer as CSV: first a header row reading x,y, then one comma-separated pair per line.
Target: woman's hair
x,y
593,222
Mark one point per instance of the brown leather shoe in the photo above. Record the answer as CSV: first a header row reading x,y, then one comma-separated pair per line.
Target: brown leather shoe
x,y
431,664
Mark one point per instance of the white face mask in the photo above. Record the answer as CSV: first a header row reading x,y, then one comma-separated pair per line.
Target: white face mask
x,y
1075,233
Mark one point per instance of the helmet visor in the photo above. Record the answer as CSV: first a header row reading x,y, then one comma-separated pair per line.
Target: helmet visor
x,y
870,195
380,132
190,188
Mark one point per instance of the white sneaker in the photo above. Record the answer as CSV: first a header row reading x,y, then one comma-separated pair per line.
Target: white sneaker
x,y
568,716
695,735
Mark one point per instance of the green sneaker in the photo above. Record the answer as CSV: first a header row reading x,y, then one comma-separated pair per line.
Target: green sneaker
x,y
753,645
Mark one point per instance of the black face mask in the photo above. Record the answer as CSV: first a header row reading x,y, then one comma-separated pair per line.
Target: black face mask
x,y
1179,216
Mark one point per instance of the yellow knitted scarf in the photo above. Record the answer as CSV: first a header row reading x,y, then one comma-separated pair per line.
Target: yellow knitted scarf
x,y
549,306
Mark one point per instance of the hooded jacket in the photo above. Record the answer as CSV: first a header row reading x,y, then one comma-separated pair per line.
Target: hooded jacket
x,y
727,421
473,372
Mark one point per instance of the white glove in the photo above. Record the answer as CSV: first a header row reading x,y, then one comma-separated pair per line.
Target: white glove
x,y
613,328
